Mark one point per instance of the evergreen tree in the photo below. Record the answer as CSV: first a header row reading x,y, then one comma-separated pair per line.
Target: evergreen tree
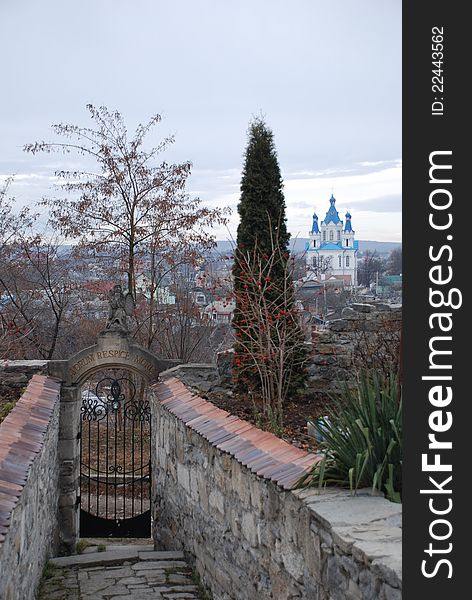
x,y
262,205
262,237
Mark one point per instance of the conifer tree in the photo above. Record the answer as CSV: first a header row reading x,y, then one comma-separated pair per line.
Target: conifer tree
x,y
262,240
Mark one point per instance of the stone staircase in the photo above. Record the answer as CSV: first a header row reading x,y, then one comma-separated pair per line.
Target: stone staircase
x,y
121,572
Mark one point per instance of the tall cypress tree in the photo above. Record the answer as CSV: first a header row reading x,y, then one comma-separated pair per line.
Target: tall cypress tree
x,y
262,203
262,224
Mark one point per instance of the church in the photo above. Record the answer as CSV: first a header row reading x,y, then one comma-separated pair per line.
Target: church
x,y
331,252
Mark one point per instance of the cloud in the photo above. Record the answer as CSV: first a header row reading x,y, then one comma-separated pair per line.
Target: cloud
x,y
382,204
371,192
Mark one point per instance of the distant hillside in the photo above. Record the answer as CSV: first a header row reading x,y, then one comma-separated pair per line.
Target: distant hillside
x,y
380,247
299,245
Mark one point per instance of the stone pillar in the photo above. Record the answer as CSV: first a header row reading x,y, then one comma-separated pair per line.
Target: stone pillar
x,y
69,468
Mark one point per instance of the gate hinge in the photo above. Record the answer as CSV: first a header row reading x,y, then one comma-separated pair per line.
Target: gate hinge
x,y
79,435
77,502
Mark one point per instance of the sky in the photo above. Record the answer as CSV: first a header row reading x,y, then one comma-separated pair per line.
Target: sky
x,y
325,75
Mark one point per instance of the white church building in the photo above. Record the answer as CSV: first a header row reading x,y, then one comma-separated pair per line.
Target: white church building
x,y
332,249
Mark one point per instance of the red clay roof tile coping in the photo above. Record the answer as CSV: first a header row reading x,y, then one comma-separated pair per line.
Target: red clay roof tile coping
x,y
263,453
21,438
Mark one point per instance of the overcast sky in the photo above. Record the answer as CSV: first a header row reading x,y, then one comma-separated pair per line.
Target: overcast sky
x,y
326,75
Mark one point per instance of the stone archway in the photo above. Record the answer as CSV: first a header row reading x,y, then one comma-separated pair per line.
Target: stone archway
x,y
113,350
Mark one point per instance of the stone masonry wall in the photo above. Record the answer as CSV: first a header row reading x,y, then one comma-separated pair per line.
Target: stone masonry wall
x,y
29,473
252,538
371,328
15,375
363,330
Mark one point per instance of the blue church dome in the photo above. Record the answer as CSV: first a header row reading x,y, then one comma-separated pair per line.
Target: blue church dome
x,y
348,227
332,215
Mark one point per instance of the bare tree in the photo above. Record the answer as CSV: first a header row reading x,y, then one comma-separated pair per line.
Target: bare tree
x,y
321,264
269,335
36,293
368,267
376,345
127,203
394,262
177,326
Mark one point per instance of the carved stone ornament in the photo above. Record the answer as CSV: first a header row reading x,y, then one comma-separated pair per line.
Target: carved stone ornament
x,y
121,307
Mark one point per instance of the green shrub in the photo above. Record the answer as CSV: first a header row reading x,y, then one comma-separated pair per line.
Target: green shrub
x,y
81,546
361,439
5,409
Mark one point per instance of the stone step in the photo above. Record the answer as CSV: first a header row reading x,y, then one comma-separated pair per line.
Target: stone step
x,y
111,546
121,574
161,555
115,555
96,558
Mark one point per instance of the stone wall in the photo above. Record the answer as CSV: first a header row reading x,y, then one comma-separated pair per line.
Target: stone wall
x,y
366,335
249,535
29,474
15,375
337,351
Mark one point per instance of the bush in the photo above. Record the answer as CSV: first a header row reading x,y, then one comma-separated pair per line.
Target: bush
x,y
81,546
361,439
5,410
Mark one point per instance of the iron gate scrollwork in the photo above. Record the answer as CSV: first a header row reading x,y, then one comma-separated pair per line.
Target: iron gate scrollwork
x,y
115,464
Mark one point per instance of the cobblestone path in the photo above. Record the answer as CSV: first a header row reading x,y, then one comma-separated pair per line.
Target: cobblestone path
x,y
121,573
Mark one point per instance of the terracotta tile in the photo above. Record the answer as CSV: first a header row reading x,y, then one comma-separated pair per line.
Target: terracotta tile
x,y
163,394
273,446
263,464
13,477
246,440
209,411
12,488
195,401
191,417
291,480
208,428
232,422
7,504
184,395
204,421
250,455
171,404
288,469
196,421
218,417
268,469
274,453
291,454
184,413
232,445
243,448
222,437
256,435
308,460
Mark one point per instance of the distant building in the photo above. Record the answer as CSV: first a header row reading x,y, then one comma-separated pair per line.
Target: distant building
x,y
162,293
220,311
199,297
332,249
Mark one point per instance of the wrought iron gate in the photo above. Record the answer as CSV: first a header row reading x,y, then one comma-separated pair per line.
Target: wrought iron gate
x,y
115,462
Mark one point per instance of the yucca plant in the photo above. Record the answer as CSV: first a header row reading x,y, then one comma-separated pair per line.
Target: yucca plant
x,y
361,438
